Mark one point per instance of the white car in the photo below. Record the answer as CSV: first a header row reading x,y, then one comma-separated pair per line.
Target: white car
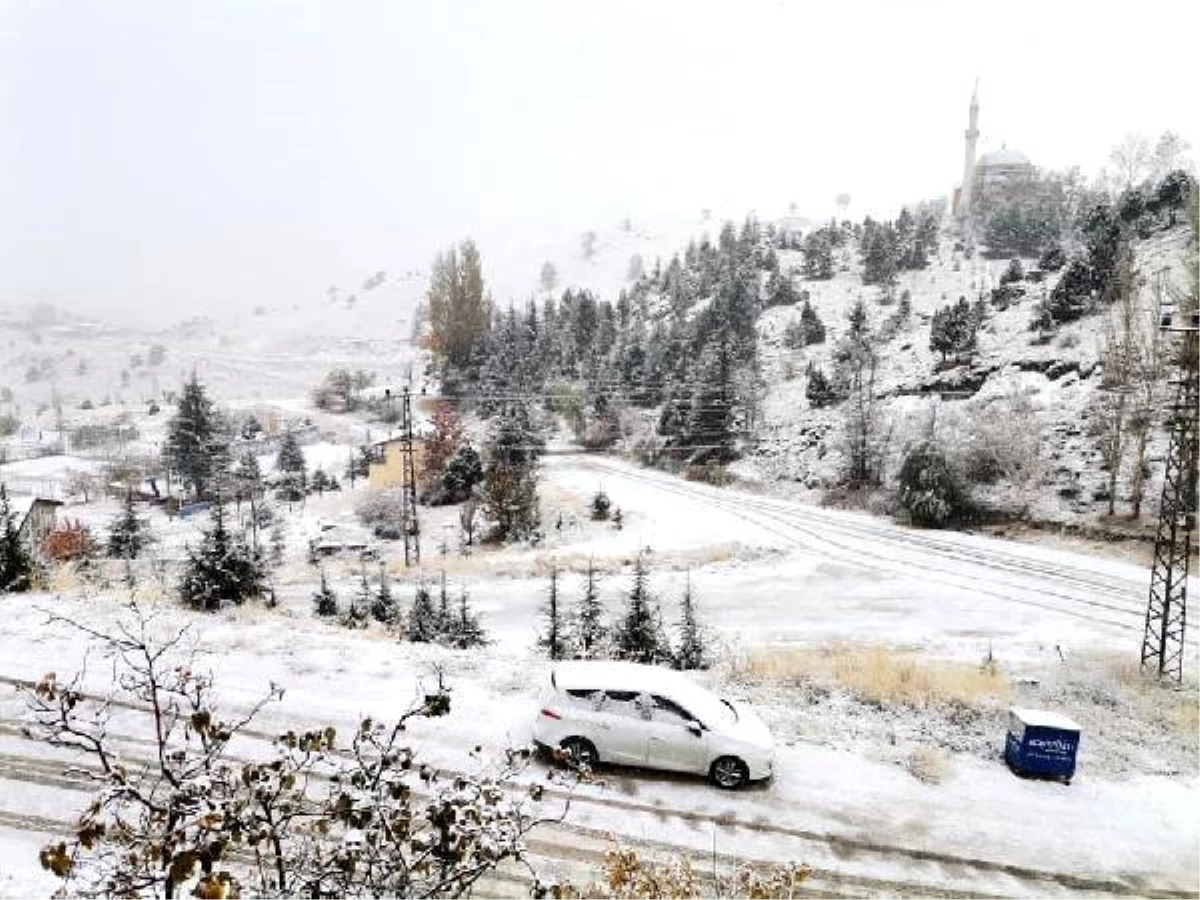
x,y
634,715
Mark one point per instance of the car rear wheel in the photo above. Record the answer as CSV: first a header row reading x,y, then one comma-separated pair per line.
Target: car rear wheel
x,y
580,751
729,773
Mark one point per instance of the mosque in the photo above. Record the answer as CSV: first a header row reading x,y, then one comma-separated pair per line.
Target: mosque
x,y
991,180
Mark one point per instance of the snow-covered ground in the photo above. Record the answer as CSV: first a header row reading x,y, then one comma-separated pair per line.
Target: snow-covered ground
x,y
768,575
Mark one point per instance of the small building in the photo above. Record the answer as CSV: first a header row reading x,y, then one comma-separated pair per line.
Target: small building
x,y
35,518
387,471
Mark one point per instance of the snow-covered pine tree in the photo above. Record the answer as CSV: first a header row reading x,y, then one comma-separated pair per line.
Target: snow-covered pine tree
x,y
277,544
929,488
818,255
358,613
247,478
292,468
638,636
711,427
510,480
601,505
320,482
812,329
553,639
129,534
192,437
589,619
444,618
383,603
325,602
463,470
692,652
16,564
465,631
422,617
224,569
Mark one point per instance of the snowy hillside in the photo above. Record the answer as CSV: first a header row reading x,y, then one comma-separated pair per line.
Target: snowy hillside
x,y
1012,371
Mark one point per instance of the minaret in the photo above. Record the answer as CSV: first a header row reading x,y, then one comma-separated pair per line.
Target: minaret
x,y
972,135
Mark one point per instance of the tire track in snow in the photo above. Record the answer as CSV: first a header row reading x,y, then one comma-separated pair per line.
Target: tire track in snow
x,y
556,843
954,876
818,533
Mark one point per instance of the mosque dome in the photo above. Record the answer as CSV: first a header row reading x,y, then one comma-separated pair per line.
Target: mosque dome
x,y
1003,157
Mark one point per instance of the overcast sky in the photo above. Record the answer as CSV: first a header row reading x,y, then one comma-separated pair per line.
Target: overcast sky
x,y
179,157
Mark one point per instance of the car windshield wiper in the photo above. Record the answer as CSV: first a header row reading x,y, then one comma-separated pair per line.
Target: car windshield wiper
x,y
731,708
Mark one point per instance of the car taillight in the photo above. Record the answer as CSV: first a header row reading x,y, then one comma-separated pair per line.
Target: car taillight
x,y
550,714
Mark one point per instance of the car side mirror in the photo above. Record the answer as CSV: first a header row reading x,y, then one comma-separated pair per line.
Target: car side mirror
x,y
695,728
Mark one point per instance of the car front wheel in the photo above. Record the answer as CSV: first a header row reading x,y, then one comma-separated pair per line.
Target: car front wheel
x,y
580,751
729,773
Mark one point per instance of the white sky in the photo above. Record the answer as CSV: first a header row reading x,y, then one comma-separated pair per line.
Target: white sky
x,y
182,157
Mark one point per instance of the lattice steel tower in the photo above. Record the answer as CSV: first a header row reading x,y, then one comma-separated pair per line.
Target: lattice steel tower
x,y
408,476
1166,613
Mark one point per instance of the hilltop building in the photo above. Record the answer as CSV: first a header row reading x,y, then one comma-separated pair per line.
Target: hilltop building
x,y
993,179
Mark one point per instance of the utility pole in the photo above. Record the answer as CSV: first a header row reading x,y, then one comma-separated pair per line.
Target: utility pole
x,y
408,475
1166,612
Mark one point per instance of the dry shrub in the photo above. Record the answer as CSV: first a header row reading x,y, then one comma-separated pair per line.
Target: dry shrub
x,y
928,764
627,875
69,541
709,473
877,675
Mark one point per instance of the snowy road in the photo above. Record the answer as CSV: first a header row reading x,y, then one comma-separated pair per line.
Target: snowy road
x,y
799,575
947,585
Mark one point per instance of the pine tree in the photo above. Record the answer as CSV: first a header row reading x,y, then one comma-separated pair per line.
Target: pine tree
x,y
638,637
422,617
16,564
811,327
601,505
129,534
292,468
325,601
383,604
692,653
444,618
278,544
553,639
321,482
358,614
712,422
225,569
465,631
463,471
193,436
589,620
818,255
819,391
929,488
247,477
510,479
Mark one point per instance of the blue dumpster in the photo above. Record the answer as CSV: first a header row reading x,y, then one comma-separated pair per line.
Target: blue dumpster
x,y
1041,743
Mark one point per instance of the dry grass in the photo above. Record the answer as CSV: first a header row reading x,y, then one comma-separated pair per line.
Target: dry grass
x,y
1185,713
878,675
928,764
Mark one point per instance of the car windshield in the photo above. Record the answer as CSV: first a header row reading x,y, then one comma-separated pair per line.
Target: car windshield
x,y
710,710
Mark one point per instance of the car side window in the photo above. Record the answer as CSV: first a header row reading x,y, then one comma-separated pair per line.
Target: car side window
x,y
669,712
622,703
590,699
